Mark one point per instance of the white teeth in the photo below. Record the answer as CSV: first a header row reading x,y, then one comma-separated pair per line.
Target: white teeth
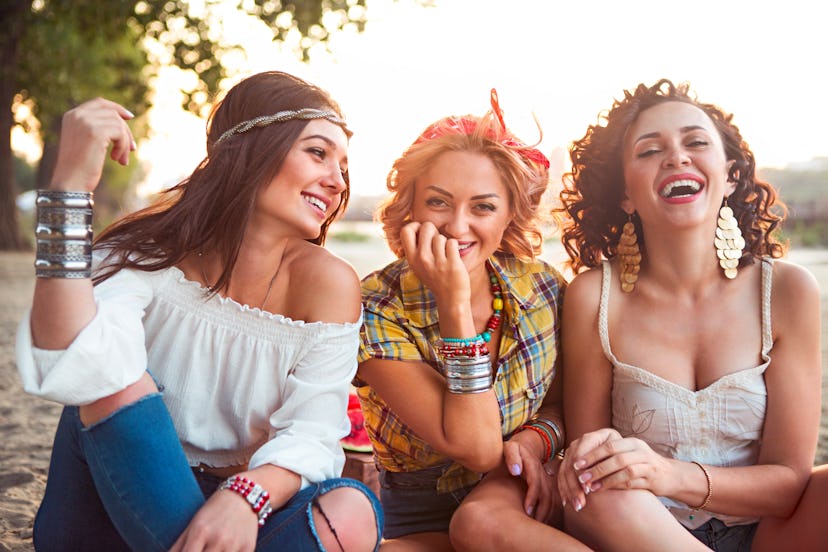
x,y
464,246
682,187
316,202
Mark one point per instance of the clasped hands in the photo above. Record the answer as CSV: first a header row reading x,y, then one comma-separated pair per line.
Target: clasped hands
x,y
604,459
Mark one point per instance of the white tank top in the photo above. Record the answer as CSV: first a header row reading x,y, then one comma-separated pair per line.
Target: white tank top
x,y
720,425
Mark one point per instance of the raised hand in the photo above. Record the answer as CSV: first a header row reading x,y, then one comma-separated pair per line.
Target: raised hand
x,y
87,132
436,261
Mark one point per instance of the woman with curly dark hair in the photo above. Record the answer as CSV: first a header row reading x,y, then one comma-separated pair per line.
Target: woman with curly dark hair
x,y
691,353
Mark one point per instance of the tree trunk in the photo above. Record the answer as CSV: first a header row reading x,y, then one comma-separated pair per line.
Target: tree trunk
x,y
13,16
48,160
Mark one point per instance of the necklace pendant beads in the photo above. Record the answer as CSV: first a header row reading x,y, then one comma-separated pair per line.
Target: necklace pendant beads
x,y
497,306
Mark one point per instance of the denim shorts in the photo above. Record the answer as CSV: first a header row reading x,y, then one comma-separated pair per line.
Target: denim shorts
x,y
413,505
722,538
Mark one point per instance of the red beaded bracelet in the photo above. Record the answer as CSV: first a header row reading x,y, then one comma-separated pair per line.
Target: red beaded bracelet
x,y
256,495
547,441
475,350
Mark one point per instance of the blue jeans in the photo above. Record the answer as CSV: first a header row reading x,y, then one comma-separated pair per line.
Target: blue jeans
x,y
124,483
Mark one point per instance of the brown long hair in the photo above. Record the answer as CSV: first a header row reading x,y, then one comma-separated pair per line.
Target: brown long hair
x,y
594,189
521,169
210,209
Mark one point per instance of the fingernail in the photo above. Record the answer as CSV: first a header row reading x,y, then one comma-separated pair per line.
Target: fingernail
x,y
133,146
579,464
577,504
514,469
584,477
595,486
529,510
587,490
563,503
130,113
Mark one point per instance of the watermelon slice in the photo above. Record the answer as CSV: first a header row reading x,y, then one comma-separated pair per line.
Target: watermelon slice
x,y
357,440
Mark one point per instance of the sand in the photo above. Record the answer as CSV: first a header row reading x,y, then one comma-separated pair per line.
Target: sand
x,y
27,423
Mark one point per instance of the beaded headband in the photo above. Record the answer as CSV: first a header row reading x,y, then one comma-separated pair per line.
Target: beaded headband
x,y
465,125
306,113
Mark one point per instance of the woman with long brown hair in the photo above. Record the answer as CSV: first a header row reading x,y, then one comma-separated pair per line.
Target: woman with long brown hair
x,y
205,345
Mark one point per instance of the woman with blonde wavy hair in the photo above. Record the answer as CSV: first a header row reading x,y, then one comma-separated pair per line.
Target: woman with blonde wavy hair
x,y
459,345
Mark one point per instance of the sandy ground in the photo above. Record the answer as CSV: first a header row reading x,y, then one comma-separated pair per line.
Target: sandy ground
x,y
27,424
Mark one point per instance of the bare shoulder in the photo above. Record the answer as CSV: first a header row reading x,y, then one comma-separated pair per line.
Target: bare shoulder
x,y
795,298
583,293
793,282
323,286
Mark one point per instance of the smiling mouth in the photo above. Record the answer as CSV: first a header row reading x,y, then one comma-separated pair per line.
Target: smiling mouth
x,y
316,202
680,188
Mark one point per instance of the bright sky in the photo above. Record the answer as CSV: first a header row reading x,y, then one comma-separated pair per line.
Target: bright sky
x,y
564,61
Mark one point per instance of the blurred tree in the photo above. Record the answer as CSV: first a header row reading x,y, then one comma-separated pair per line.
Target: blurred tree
x,y
56,53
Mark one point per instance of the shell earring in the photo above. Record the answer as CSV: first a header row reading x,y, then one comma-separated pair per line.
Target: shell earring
x,y
629,256
728,241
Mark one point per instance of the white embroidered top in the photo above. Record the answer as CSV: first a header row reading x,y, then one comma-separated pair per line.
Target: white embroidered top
x,y
720,425
242,385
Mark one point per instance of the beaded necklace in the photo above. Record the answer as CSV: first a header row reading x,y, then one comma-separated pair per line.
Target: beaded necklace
x,y
476,346
497,306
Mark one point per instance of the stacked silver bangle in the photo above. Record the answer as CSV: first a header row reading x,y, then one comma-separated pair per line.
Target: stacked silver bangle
x,y
64,234
468,375
466,365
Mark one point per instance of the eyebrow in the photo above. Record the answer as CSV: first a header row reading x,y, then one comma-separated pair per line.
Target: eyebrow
x,y
440,190
684,130
325,139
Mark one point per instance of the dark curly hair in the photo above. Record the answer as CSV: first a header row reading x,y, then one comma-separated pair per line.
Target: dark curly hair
x,y
594,188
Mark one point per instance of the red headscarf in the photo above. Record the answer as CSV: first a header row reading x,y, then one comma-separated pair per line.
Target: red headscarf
x,y
465,125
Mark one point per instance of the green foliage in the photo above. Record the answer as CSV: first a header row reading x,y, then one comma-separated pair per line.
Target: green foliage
x,y
24,174
189,36
74,50
56,53
799,186
349,236
803,190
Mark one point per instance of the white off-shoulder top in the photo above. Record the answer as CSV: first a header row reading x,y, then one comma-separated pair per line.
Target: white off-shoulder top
x,y
720,425
242,385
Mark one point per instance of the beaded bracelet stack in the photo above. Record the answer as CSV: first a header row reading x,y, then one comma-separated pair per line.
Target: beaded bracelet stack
x,y
64,234
465,362
466,365
549,433
256,496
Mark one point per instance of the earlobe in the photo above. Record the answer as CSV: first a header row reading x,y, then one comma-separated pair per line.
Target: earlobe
x,y
627,206
731,184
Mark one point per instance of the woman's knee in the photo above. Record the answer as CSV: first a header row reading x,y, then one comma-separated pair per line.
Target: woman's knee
x,y
347,519
473,525
603,510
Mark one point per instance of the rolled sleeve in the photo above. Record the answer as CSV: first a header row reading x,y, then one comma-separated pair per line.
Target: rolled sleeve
x,y
384,338
307,428
108,355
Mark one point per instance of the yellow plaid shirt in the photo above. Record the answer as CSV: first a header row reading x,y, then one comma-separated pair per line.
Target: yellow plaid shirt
x,y
400,323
